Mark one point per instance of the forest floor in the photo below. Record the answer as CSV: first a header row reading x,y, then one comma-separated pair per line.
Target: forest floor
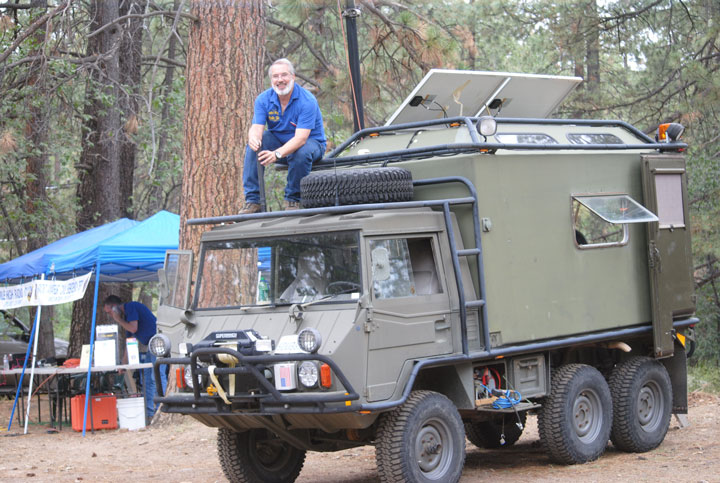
x,y
186,452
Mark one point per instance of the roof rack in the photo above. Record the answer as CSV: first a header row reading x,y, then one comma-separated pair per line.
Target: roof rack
x,y
477,145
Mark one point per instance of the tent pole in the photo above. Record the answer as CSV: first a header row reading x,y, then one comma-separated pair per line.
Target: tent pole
x,y
22,374
92,345
34,357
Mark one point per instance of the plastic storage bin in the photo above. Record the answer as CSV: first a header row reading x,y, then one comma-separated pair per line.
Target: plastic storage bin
x,y
104,412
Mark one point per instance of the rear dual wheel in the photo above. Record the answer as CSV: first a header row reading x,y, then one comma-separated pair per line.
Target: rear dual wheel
x,y
576,418
502,432
642,402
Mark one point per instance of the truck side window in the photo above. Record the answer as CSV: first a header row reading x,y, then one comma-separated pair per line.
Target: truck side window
x,y
590,229
403,267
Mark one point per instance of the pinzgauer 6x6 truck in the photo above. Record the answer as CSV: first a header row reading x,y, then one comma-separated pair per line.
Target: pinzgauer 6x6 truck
x,y
467,264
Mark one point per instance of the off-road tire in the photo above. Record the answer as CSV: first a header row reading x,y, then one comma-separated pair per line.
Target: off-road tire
x,y
355,186
576,418
257,456
642,404
488,434
422,440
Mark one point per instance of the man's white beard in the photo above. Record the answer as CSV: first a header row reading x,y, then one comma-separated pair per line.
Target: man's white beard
x,y
283,92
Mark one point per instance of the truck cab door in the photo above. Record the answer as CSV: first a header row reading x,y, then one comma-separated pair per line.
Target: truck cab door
x,y
411,312
669,250
175,279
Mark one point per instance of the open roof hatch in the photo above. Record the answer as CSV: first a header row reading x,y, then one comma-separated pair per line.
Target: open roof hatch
x,y
451,93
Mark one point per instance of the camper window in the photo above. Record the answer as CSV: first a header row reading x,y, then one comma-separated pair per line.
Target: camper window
x,y
601,220
593,231
593,138
670,200
525,138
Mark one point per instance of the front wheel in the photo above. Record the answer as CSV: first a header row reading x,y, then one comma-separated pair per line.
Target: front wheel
x,y
258,456
421,441
642,402
576,418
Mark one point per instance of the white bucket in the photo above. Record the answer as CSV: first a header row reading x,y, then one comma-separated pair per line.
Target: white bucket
x,y
131,412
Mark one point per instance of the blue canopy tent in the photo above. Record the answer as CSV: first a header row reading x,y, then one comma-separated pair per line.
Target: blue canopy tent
x,y
121,251
134,255
37,262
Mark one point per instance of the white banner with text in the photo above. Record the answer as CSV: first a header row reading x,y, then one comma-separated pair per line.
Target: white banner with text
x,y
43,292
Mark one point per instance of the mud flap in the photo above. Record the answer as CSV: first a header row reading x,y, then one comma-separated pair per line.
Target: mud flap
x,y
677,369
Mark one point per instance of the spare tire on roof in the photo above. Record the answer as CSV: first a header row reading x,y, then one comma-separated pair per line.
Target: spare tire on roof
x,y
356,186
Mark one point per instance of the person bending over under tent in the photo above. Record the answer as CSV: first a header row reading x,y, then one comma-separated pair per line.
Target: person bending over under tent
x,y
139,322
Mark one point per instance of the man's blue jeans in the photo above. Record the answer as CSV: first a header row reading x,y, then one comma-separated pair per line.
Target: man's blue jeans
x,y
148,382
299,165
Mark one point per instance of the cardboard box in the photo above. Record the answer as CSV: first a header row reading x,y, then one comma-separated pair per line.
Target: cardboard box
x,y
104,412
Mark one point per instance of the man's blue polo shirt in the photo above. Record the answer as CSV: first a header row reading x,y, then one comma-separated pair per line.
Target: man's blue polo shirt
x,y
147,323
301,112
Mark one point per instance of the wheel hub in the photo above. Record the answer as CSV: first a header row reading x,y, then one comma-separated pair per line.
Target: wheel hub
x,y
429,445
649,406
586,416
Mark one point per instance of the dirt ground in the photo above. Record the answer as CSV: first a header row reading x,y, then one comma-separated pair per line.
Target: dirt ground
x,y
186,452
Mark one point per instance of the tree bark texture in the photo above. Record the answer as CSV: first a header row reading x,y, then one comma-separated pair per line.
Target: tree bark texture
x,y
107,160
36,200
224,75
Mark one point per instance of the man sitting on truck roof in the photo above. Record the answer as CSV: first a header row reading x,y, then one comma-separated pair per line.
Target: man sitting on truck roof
x,y
295,135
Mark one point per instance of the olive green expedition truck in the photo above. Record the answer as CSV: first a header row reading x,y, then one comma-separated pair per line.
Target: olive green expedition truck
x,y
467,264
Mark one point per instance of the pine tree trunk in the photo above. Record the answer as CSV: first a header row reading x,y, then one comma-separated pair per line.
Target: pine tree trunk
x,y
107,160
37,132
224,75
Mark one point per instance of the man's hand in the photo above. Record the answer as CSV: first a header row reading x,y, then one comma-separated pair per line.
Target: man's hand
x,y
266,158
255,143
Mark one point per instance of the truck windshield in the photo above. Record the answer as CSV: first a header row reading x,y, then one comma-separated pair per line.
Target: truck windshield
x,y
282,270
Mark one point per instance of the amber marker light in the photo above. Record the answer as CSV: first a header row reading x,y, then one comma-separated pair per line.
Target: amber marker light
x,y
180,377
325,376
669,132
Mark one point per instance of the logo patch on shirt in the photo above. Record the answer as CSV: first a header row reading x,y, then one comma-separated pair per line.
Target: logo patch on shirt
x,y
273,116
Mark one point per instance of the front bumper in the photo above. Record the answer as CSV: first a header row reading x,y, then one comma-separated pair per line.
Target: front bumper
x,y
265,399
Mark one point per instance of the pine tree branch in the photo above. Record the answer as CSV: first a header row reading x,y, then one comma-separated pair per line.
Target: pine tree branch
x,y
32,28
167,13
299,32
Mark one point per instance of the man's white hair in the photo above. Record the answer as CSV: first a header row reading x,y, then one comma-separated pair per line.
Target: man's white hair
x,y
285,61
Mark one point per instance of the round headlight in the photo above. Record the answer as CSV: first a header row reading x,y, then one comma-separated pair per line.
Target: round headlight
x,y
187,375
159,345
309,340
487,126
308,373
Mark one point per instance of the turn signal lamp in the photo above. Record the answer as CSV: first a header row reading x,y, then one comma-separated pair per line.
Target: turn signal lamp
x,y
325,376
669,132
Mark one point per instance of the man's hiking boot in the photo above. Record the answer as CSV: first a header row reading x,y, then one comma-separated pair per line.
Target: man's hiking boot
x,y
292,205
250,208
